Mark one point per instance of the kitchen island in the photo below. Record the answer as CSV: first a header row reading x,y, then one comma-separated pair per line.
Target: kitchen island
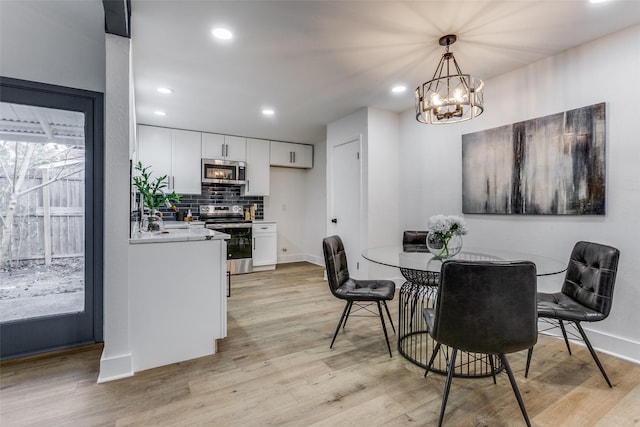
x,y
177,301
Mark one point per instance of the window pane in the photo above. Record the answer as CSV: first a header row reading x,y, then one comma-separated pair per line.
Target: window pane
x,y
42,205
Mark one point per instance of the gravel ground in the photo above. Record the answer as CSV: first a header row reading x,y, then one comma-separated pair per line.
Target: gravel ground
x,y
33,289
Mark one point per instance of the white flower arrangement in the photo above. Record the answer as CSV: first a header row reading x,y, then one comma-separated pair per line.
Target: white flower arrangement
x,y
447,226
443,228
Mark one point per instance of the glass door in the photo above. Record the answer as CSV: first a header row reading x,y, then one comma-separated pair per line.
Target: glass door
x,y
50,217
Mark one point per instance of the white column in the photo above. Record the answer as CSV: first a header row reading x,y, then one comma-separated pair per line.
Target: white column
x,y
116,359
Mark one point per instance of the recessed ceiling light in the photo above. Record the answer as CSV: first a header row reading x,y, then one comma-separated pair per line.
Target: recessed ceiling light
x,y
268,112
597,1
398,89
222,33
164,90
159,113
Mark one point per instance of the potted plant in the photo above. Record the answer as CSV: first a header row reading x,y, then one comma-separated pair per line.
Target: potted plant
x,y
153,196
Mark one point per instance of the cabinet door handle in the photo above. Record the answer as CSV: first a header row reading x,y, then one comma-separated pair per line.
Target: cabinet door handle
x,y
294,157
248,185
226,150
222,150
254,243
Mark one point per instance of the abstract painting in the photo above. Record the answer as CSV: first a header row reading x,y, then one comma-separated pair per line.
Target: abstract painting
x,y
552,165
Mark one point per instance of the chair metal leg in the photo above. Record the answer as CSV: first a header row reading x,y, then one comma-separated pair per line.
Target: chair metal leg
x,y
384,328
433,357
347,308
564,334
447,385
514,386
344,324
529,355
493,367
389,315
593,353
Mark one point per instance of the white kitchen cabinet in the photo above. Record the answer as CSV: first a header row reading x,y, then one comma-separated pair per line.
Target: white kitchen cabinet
x,y
197,306
224,147
172,152
187,178
291,155
257,168
265,246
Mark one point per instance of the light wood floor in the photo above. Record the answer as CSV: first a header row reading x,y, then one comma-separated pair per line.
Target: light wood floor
x,y
276,368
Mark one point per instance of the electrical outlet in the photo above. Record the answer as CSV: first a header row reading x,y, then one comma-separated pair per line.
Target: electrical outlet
x,y
284,249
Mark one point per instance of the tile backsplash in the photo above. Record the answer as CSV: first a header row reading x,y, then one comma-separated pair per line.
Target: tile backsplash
x,y
215,195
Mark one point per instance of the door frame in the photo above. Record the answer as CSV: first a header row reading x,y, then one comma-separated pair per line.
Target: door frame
x,y
53,331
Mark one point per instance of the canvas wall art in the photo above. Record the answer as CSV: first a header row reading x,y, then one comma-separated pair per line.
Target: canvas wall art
x,y
552,165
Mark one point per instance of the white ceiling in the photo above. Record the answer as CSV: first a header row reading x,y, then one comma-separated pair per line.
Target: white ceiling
x,y
317,61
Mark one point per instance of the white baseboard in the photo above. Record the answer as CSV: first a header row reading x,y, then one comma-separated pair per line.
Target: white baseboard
x,y
264,267
115,368
314,260
284,259
619,347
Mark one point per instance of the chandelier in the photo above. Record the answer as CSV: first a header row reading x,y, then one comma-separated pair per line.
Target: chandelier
x,y
450,96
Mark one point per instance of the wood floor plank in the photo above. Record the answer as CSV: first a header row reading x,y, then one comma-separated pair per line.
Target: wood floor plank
x,y
276,368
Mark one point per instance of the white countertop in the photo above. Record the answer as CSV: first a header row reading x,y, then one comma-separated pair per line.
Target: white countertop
x,y
178,235
182,224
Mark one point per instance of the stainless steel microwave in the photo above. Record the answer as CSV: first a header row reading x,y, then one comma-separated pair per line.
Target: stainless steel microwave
x,y
223,172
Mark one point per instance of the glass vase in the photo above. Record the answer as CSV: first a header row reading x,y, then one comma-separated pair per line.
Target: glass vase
x,y
444,248
152,222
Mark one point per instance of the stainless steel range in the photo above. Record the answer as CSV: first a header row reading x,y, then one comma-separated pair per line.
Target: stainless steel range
x,y
229,219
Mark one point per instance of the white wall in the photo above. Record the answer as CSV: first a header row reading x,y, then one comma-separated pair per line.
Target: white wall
x,y
116,359
316,205
604,70
297,202
55,42
286,204
378,131
383,227
352,127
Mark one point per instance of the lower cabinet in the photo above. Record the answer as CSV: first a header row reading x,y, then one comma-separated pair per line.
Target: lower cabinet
x,y
265,246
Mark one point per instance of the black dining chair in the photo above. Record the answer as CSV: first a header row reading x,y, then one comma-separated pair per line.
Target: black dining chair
x,y
484,307
414,241
586,294
361,293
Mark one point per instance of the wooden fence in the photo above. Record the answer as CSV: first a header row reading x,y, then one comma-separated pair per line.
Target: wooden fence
x,y
49,221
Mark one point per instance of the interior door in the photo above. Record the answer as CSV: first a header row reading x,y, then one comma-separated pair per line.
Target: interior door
x,y
51,208
346,202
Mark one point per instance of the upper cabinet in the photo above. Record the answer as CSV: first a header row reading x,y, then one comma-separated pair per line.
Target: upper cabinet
x,y
173,153
224,147
291,155
257,168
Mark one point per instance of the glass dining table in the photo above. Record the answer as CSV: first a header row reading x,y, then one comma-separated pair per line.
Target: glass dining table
x,y
421,271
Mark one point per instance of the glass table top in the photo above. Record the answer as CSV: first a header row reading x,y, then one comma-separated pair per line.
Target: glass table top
x,y
394,256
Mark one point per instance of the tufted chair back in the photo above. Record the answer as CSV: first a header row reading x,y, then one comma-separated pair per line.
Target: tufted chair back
x,y
591,275
335,259
414,241
486,307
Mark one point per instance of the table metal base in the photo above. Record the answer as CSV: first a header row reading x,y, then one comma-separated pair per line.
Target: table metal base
x,y
414,342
